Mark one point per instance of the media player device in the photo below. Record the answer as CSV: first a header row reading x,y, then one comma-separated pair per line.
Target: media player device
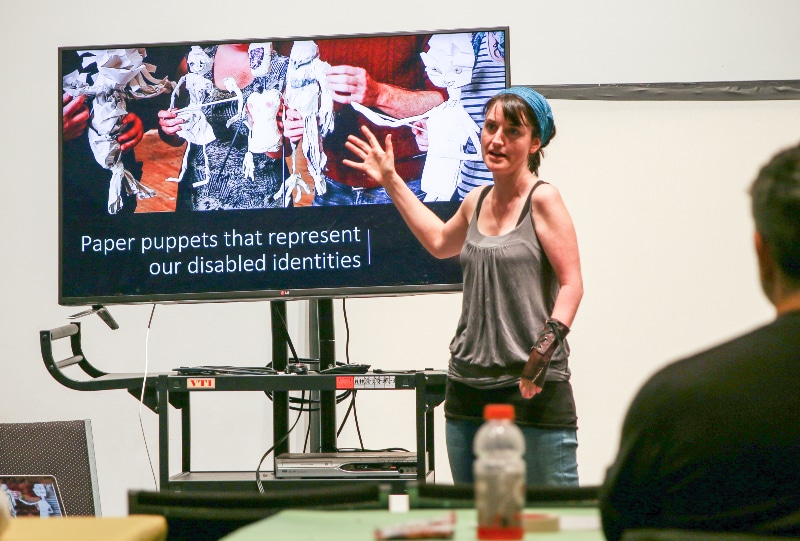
x,y
347,465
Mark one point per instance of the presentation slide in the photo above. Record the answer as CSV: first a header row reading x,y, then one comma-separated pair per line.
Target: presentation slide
x,y
212,171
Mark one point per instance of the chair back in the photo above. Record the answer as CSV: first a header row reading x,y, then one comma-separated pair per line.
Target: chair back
x,y
61,450
462,495
207,516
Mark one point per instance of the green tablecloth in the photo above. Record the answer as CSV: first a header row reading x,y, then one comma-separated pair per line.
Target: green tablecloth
x,y
578,524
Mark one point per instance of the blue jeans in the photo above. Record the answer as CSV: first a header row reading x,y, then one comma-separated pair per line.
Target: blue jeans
x,y
342,194
550,454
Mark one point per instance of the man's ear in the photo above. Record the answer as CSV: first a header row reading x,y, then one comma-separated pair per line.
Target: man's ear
x,y
766,266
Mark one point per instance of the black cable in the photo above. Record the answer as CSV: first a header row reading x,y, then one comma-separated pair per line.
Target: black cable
x,y
344,420
275,444
359,368
225,160
355,418
308,435
352,407
205,370
292,399
288,337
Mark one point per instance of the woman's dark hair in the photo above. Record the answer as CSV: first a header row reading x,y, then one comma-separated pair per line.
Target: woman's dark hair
x,y
517,112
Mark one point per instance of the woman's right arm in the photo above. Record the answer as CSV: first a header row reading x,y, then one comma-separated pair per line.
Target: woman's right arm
x,y
441,239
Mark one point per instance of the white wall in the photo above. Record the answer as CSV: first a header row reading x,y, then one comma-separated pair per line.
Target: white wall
x,y
657,192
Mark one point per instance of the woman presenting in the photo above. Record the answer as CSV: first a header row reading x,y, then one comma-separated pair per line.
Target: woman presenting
x,y
522,287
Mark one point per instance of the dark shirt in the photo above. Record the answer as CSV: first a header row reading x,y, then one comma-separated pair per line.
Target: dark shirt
x,y
712,442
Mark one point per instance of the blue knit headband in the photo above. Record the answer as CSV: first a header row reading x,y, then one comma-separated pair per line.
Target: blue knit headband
x,y
544,115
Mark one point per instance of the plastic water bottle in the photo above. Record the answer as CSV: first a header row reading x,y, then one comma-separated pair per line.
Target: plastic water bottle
x,y
499,474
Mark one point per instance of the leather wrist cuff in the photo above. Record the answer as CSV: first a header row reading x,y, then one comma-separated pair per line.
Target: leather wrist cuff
x,y
550,337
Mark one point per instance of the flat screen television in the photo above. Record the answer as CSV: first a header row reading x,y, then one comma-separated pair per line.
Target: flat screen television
x,y
214,171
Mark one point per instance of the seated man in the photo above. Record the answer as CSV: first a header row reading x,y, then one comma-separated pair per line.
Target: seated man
x,y
712,442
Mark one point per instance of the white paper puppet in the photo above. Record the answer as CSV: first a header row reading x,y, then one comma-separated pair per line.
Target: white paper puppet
x,y
122,74
45,509
263,106
195,128
448,63
308,93
262,109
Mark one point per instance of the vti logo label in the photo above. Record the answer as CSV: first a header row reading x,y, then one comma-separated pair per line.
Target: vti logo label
x,y
201,383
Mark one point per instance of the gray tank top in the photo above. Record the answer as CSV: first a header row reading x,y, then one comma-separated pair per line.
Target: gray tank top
x,y
509,291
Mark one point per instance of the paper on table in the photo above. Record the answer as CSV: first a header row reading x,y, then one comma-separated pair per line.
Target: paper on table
x,y
570,522
435,528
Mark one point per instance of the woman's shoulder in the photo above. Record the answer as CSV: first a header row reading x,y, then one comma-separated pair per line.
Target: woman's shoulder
x,y
470,201
546,202
545,193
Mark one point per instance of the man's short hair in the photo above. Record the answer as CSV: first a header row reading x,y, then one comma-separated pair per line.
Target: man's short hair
x,y
776,209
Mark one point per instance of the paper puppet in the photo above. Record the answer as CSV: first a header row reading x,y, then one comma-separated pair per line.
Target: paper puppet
x,y
263,106
122,75
262,109
232,87
45,509
195,128
294,184
308,93
448,63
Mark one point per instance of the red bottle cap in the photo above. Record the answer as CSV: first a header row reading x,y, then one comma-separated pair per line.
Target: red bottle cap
x,y
498,411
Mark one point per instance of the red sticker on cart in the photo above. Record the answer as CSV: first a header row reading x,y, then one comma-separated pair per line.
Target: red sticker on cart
x,y
201,383
344,382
